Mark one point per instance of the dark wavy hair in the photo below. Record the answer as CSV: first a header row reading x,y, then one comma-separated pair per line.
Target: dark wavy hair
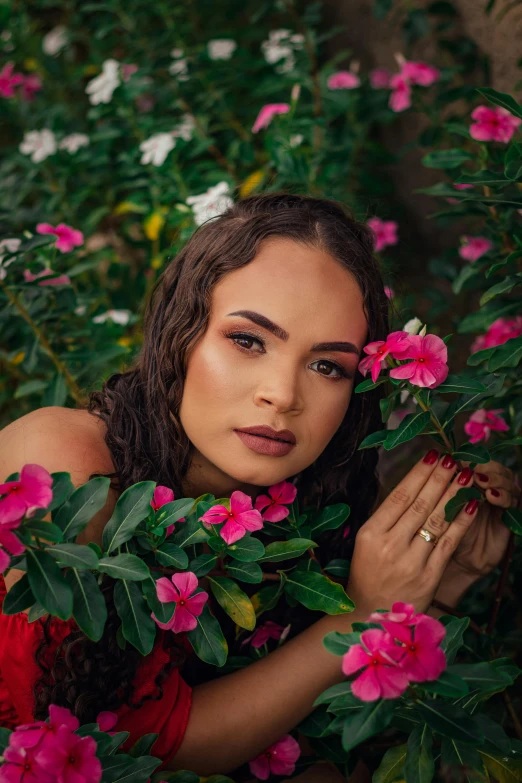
x,y
140,407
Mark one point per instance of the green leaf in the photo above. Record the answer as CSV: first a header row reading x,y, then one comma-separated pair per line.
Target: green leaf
x,y
465,402
56,392
245,572
342,689
138,627
338,567
456,383
316,591
512,518
446,159
391,767
316,724
501,99
419,766
132,507
410,426
507,355
482,676
466,759
29,387
190,532
202,564
368,384
62,489
247,549
447,684
480,356
375,439
454,639
339,643
483,177
207,639
143,746
381,8
174,511
513,161
503,287
162,609
46,531
19,597
234,601
372,719
172,555
502,769
285,550
82,505
4,739
89,607
466,273
482,319
140,772
124,566
472,452
48,584
329,518
73,555
451,721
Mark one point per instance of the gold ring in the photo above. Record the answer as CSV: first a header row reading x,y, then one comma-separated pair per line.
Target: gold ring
x,y
427,536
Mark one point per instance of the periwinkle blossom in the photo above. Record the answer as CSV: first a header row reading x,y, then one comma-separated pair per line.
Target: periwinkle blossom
x,y
156,148
473,247
73,142
421,658
38,144
500,331
385,232
267,113
210,204
389,292
120,317
239,519
482,422
274,506
24,495
31,84
343,80
180,589
101,88
185,129
11,245
279,759
179,68
380,78
221,48
49,278
72,758
128,70
411,73
420,73
296,139
161,496
394,345
9,80
55,40
428,368
381,677
493,123
263,633
68,237
279,47
413,326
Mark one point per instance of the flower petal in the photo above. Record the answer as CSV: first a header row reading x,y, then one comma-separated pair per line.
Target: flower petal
x,y
186,582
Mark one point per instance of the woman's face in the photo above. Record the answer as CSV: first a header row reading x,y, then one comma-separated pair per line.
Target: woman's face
x,y
240,374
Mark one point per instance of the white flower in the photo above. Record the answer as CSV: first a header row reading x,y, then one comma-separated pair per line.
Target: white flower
x,y
296,139
176,53
80,310
412,326
101,88
179,67
38,144
221,48
117,316
11,245
210,204
156,148
185,128
55,40
73,142
6,36
280,46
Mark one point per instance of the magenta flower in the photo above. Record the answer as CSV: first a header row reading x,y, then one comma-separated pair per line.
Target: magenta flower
x,y
4,561
428,368
482,422
420,73
265,116
400,97
106,720
261,635
385,232
61,280
347,531
21,766
161,496
401,613
462,186
380,78
67,237
43,733
422,659
394,345
180,589
382,678
493,124
279,496
31,491
278,759
8,80
238,520
30,84
127,69
390,293
500,331
343,80
71,759
474,247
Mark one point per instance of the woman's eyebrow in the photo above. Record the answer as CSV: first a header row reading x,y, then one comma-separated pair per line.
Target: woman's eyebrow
x,y
282,334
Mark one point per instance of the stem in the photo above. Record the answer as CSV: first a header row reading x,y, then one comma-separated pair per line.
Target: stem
x,y
73,387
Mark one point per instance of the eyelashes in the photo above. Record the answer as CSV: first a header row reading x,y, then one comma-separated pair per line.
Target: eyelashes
x,y
233,336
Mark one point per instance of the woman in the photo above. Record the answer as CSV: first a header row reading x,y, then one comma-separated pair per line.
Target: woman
x,y
239,334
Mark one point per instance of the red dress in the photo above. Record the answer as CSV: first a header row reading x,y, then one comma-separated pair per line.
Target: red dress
x,y
167,717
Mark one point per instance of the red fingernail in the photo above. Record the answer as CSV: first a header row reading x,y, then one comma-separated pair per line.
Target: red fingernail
x,y
465,476
495,493
431,457
448,461
482,476
471,507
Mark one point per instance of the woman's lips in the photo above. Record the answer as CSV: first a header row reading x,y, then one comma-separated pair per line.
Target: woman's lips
x,y
263,445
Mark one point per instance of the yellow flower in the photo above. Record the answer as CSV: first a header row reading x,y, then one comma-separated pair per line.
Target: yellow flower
x,y
18,358
125,341
251,183
153,224
156,262
127,206
30,64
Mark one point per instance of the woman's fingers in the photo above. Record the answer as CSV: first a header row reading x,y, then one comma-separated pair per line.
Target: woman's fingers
x,y
440,554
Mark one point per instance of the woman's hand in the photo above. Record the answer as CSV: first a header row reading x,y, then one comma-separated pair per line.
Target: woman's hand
x,y
391,562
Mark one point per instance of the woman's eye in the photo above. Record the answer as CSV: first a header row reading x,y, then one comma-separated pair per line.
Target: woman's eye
x,y
333,368
245,338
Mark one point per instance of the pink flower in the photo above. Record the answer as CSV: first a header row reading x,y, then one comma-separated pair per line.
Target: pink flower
x,y
428,368
493,124
71,759
31,84
482,422
401,613
8,540
400,98
61,280
8,80
462,186
261,635
106,720
395,344
4,561
67,237
43,733
278,494
390,293
385,232
474,247
343,80
180,589
422,659
380,78
381,678
238,520
420,73
127,69
31,491
346,531
161,496
266,114
278,759
500,331
21,766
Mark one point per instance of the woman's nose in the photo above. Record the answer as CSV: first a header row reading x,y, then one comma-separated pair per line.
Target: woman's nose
x,y
280,391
